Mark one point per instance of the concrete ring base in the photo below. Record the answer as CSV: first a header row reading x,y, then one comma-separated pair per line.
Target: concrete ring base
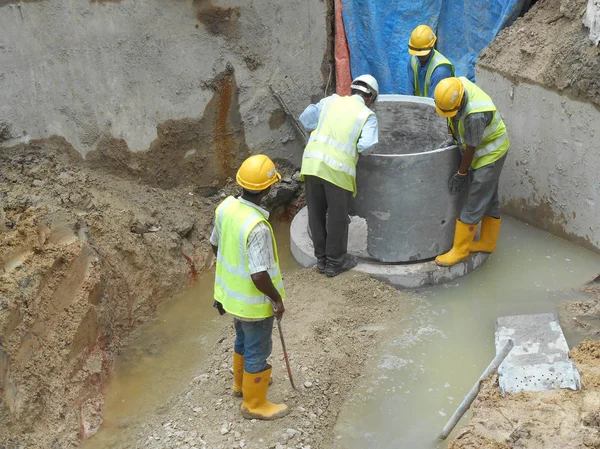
x,y
407,275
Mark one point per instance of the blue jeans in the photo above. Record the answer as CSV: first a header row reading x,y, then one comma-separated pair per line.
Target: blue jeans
x,y
253,341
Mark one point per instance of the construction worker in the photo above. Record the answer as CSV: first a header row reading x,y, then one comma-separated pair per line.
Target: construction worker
x,y
342,127
426,67
248,281
476,125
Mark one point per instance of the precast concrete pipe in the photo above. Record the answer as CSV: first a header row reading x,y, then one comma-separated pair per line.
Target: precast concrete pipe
x,y
403,185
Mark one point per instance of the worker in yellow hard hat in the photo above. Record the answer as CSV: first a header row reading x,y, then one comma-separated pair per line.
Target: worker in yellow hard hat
x,y
248,283
342,127
476,125
427,66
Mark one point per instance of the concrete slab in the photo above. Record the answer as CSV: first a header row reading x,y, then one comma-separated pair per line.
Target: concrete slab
x,y
540,359
406,275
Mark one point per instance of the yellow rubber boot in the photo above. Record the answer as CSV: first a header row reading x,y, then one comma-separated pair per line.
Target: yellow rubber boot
x,y
463,237
238,374
490,230
255,405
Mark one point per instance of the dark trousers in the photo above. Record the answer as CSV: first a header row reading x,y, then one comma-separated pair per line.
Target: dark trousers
x,y
328,207
482,196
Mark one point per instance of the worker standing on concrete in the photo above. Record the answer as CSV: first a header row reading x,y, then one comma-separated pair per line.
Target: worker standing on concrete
x,y
476,125
342,127
427,67
248,281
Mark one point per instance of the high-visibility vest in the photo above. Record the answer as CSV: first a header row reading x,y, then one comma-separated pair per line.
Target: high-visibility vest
x,y
331,152
495,140
234,288
436,60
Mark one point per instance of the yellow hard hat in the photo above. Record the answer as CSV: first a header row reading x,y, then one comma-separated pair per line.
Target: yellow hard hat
x,y
448,95
422,40
257,173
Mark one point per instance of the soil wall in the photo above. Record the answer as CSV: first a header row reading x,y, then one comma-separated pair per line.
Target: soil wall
x,y
101,70
122,124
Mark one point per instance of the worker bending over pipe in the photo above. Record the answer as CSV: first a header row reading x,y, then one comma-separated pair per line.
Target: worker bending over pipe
x,y
476,125
342,127
247,279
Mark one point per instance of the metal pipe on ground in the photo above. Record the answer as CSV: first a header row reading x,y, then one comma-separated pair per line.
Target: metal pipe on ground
x,y
468,400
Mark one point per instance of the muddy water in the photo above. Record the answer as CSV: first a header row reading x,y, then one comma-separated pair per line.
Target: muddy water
x,y
162,359
412,383
430,360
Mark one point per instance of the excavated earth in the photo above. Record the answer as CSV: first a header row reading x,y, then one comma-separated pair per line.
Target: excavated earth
x,y
85,257
549,46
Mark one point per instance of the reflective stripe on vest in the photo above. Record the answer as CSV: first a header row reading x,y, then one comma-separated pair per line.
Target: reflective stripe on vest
x,y
495,141
234,287
331,152
436,60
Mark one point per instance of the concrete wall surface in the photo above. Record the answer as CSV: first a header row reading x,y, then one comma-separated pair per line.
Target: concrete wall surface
x,y
86,70
551,178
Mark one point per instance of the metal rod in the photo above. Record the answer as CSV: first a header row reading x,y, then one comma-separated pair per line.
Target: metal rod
x,y
285,356
468,400
299,128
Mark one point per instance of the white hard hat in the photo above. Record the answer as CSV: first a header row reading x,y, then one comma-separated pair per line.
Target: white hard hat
x,y
369,81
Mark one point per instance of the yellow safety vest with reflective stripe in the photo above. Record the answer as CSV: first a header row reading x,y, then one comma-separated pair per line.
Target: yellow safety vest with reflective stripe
x,y
436,60
331,152
234,288
495,140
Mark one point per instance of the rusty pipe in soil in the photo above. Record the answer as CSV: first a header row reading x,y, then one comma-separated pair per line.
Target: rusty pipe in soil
x,y
468,400
297,125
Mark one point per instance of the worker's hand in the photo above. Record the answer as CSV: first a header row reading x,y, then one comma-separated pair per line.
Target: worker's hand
x,y
278,308
447,143
217,305
457,182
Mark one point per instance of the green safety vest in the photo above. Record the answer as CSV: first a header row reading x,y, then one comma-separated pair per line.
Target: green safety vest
x,y
436,60
331,152
234,287
495,140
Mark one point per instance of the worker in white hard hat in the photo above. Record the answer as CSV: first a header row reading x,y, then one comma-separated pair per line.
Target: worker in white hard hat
x,y
342,127
476,125
247,282
427,66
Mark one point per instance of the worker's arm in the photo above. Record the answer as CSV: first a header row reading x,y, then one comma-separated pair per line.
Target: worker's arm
x,y
214,243
369,136
263,282
411,78
475,125
441,72
261,257
310,117
214,240
467,158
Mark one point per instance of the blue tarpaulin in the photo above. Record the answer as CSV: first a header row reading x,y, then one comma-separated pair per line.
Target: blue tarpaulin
x,y
378,32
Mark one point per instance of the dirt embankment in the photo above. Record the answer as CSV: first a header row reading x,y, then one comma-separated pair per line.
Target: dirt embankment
x,y
328,336
549,46
85,257
559,419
